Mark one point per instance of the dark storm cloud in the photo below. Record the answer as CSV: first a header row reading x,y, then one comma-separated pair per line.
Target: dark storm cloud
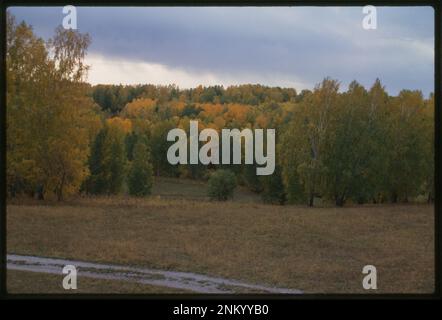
x,y
306,44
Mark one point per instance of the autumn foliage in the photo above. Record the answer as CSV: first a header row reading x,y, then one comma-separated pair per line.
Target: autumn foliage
x,y
336,144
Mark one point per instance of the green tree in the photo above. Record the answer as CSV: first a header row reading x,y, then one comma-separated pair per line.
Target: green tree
x,y
345,152
117,166
273,188
406,164
428,132
140,175
303,144
159,146
97,181
222,183
107,162
251,179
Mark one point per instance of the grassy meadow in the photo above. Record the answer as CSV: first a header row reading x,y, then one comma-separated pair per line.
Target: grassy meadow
x,y
317,250
38,283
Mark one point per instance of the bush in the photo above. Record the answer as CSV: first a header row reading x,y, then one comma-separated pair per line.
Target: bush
x,y
222,183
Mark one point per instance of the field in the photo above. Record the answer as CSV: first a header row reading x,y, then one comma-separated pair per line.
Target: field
x,y
37,283
316,250
170,188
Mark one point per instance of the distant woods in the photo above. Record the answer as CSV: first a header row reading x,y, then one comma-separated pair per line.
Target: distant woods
x,y
66,137
113,98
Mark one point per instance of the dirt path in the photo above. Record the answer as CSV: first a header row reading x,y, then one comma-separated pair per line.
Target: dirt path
x,y
180,280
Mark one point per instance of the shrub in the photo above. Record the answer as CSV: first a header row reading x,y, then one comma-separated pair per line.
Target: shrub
x,y
222,183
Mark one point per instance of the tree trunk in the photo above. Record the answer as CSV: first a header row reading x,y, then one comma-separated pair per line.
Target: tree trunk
x,y
430,197
310,201
60,194
394,197
339,201
40,193
60,189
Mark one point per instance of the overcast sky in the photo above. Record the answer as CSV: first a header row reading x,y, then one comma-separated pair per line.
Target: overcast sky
x,y
278,46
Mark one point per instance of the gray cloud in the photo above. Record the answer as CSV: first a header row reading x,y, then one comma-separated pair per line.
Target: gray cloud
x,y
303,43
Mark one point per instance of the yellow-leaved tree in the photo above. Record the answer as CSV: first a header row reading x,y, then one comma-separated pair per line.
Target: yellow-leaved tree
x,y
50,119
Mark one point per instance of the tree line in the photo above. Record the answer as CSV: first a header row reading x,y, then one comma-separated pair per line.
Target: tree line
x,y
113,98
66,137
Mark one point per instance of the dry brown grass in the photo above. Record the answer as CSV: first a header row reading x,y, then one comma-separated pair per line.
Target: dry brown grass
x,y
41,283
318,250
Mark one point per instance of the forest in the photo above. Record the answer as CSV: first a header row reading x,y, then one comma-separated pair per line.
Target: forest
x,y
342,145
